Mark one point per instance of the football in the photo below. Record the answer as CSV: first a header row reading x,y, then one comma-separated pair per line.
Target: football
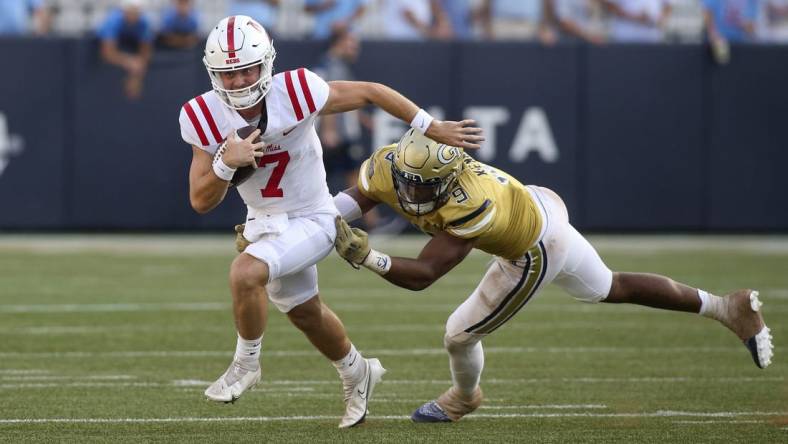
x,y
243,173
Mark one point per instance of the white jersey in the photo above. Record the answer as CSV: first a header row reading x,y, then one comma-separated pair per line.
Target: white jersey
x,y
291,179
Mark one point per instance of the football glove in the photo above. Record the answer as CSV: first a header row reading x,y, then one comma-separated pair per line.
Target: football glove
x,y
351,243
240,241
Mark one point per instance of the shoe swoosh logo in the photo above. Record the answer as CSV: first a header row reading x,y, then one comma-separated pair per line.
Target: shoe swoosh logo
x,y
363,393
288,131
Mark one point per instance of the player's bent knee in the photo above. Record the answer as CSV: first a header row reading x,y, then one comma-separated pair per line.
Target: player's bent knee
x,y
248,271
591,290
459,341
619,290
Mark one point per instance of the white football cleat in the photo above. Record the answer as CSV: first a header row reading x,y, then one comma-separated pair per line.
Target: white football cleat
x,y
233,383
743,316
357,396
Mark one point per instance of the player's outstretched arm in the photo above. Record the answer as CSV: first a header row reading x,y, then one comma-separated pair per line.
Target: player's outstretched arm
x,y
347,96
442,253
352,204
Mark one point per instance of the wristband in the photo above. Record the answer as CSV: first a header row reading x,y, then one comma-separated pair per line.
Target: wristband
x,y
222,170
421,121
378,262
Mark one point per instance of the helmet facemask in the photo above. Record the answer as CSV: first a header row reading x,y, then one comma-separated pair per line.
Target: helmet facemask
x,y
424,172
418,197
251,95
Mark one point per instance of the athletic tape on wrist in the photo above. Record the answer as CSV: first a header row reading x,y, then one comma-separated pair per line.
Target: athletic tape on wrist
x,y
222,170
421,121
378,262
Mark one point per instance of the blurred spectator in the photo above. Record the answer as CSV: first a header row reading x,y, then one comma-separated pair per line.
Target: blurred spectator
x,y
637,20
334,15
340,134
574,19
179,25
24,16
732,20
728,21
773,21
415,20
126,41
461,17
517,19
264,11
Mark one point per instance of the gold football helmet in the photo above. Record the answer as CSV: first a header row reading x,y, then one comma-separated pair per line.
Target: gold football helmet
x,y
424,172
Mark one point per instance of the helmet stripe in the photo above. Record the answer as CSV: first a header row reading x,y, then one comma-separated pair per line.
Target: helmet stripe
x,y
231,37
209,118
196,123
293,98
305,88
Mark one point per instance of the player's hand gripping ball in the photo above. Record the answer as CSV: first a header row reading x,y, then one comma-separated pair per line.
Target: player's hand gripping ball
x,y
244,172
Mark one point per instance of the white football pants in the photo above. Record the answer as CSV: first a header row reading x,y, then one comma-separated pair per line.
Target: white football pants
x,y
561,255
291,257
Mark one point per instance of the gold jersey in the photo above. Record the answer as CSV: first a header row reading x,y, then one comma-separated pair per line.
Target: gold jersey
x,y
485,204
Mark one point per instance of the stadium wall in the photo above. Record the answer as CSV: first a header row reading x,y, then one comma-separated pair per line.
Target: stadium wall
x,y
635,138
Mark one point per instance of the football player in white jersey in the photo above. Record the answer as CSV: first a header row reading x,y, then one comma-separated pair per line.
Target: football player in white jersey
x,y
290,219
465,204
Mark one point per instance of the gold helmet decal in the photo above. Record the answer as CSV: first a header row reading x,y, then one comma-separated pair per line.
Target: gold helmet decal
x,y
424,171
446,154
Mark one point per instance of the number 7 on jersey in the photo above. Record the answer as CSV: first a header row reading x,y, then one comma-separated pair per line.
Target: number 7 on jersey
x,y
272,187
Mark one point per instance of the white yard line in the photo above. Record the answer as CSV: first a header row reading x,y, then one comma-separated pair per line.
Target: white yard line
x,y
104,308
22,371
286,386
728,421
114,385
526,325
210,244
67,378
337,306
33,385
372,352
191,419
544,406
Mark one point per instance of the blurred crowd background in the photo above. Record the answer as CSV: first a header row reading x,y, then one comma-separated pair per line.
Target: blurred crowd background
x,y
643,114
548,21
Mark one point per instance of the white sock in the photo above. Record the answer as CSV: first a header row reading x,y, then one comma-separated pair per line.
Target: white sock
x,y
351,367
466,362
711,306
247,351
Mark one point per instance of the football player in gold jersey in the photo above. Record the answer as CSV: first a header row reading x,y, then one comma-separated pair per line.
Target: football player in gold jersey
x,y
465,204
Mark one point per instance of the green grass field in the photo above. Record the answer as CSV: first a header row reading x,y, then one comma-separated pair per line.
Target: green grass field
x,y
114,338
